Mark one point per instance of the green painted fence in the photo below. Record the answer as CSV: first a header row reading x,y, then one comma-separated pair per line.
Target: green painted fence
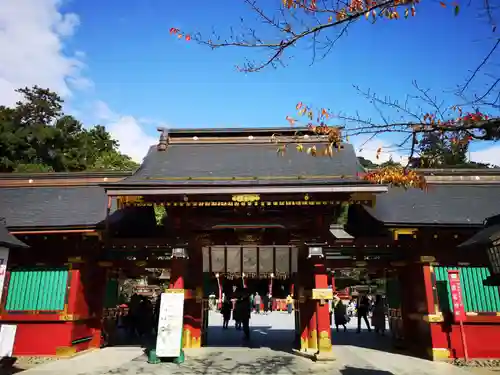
x,y
476,296
37,289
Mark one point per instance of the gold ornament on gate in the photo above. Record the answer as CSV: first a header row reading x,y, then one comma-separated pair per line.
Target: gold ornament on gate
x,y
246,198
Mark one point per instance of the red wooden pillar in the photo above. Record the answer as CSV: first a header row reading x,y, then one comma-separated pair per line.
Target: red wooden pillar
x,y
332,281
194,298
313,325
303,314
177,267
324,340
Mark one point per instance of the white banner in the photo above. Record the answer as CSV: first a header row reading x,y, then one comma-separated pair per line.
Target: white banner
x,y
4,258
7,337
170,324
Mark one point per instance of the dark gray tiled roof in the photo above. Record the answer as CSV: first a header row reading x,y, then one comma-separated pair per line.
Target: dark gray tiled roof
x,y
440,204
52,206
254,164
484,237
8,240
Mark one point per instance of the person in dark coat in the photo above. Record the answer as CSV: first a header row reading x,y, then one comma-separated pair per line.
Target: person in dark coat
x,y
265,302
227,307
363,309
242,310
340,314
236,311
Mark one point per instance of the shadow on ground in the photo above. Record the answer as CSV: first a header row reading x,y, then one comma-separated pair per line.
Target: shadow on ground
x,y
8,366
364,339
227,362
260,337
363,371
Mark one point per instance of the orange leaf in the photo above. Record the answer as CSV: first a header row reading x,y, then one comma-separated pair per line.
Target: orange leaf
x,y
442,4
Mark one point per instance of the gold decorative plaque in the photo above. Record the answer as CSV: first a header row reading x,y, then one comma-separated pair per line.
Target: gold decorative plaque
x,y
325,293
246,198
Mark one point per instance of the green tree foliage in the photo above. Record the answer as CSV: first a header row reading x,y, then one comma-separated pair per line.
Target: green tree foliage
x,y
367,164
390,163
36,136
439,151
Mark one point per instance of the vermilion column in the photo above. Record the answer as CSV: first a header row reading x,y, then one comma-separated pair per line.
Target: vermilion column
x,y
177,268
193,302
303,311
313,325
322,311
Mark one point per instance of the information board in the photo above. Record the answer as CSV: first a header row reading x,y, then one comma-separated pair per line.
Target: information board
x,y
456,295
170,324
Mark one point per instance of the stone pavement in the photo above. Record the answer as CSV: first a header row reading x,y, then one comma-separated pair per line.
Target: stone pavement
x,y
268,353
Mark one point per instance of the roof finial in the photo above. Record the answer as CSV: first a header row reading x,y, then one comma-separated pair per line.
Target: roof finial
x,y
162,144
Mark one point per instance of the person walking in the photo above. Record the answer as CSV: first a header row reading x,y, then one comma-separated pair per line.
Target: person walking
x,y
257,301
265,303
340,314
243,310
378,316
227,307
363,309
289,304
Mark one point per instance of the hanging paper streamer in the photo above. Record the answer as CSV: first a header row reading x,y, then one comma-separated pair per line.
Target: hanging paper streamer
x,y
219,301
243,281
271,285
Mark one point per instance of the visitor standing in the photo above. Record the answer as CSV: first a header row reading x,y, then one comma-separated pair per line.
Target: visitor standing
x,y
257,301
363,310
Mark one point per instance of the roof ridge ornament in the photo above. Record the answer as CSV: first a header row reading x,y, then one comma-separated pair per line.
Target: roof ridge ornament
x,y
162,144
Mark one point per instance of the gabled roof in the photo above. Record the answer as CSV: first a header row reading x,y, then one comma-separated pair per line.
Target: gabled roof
x,y
240,157
46,207
463,205
242,164
8,240
484,237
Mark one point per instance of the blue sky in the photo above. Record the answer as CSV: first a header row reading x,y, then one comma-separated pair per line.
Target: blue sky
x,y
141,73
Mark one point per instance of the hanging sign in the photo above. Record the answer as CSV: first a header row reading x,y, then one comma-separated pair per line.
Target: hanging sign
x,y
456,295
170,324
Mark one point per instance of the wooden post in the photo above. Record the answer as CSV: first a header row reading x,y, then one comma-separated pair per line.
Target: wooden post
x,y
324,339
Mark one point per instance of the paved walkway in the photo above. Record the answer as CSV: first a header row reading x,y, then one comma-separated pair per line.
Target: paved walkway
x,y
356,354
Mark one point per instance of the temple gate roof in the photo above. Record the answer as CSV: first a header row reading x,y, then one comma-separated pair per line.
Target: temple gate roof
x,y
242,157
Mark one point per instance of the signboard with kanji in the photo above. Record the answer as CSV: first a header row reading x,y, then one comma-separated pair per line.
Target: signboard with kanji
x,y
456,295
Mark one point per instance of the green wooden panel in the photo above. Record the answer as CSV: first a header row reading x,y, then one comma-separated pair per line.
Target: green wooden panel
x,y
476,296
37,289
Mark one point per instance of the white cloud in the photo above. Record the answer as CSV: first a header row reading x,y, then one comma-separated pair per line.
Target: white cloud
x,y
368,150
134,142
32,34
489,155
127,130
103,112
